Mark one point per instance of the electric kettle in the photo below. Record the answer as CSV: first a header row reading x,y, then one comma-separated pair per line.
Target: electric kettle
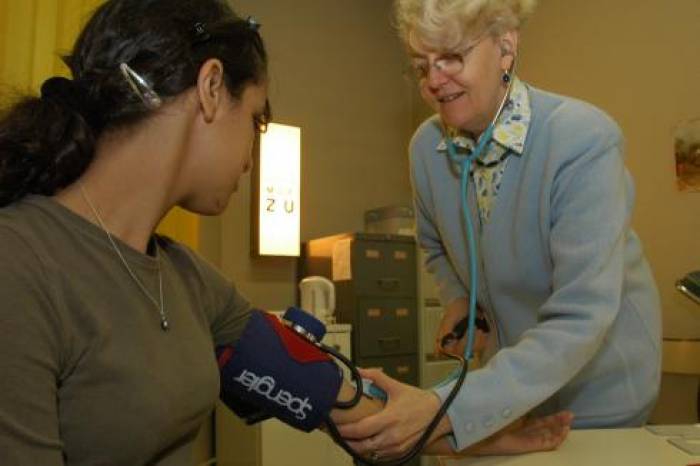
x,y
318,297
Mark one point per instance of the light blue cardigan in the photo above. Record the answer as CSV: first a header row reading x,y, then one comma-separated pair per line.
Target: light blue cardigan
x,y
561,273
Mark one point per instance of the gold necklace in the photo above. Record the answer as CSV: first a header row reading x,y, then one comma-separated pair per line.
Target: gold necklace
x,y
164,324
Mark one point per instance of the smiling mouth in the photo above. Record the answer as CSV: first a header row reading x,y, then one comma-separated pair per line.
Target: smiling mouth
x,y
449,98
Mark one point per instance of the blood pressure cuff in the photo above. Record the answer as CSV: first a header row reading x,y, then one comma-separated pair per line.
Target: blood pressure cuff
x,y
271,371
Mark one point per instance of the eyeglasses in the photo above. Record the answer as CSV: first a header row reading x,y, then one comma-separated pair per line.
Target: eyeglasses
x,y
449,64
261,121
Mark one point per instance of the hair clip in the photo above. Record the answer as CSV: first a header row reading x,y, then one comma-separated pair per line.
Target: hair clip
x,y
200,33
141,87
252,23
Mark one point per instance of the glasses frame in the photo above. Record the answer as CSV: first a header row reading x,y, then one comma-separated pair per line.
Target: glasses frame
x,y
421,73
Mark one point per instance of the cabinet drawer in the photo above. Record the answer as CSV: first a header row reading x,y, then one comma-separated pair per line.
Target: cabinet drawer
x,y
383,268
386,326
403,368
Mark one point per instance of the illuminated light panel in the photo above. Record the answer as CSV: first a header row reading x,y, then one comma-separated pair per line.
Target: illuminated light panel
x,y
280,185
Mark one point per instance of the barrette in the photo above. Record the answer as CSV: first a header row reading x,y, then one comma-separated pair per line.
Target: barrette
x,y
141,87
252,23
200,33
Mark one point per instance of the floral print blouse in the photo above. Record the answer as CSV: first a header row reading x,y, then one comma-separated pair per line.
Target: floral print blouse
x,y
509,137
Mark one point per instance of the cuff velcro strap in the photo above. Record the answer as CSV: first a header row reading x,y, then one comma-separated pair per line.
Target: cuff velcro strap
x,y
273,371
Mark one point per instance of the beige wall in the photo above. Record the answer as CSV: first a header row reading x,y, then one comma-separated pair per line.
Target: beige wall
x,y
336,72
639,61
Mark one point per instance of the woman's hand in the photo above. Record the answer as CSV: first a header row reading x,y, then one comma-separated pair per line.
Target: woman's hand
x,y
525,436
392,432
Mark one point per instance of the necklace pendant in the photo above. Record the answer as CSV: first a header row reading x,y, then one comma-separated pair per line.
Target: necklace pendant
x,y
164,325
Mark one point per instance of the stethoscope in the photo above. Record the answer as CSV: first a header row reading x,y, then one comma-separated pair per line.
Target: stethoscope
x,y
312,330
464,162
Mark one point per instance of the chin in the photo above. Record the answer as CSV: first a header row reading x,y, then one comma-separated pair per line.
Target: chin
x,y
208,207
218,206
453,114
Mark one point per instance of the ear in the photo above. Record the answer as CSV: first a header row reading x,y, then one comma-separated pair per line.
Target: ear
x,y
211,88
508,42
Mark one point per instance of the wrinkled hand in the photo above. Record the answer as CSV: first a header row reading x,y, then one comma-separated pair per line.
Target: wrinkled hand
x,y
525,436
394,431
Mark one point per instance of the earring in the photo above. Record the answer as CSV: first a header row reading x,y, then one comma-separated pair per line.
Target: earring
x,y
506,77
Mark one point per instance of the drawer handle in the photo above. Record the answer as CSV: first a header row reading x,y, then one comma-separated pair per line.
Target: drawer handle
x,y
400,255
372,254
374,313
388,283
403,369
391,342
402,312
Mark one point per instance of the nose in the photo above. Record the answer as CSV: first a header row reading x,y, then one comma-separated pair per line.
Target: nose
x,y
435,79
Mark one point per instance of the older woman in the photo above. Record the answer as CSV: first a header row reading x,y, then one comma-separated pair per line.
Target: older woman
x,y
561,274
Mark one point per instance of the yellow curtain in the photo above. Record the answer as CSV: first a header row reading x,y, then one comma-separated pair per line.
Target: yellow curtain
x,y
33,36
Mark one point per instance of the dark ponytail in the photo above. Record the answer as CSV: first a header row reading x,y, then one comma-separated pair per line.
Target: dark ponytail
x,y
44,146
47,143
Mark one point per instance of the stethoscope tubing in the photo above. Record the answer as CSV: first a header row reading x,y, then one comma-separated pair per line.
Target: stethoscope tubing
x,y
464,163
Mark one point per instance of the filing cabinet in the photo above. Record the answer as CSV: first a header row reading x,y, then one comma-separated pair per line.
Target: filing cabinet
x,y
385,326
376,292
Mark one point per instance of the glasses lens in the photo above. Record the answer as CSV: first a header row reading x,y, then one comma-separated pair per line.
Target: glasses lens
x,y
449,64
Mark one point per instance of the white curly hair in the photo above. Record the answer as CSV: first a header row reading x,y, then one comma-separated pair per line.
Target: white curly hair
x,y
451,24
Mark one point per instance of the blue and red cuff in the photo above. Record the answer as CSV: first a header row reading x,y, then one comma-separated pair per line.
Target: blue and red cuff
x,y
272,371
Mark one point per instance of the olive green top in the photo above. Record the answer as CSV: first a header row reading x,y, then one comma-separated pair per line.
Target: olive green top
x,y
87,375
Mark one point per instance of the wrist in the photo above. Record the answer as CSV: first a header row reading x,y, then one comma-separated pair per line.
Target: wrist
x,y
444,427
